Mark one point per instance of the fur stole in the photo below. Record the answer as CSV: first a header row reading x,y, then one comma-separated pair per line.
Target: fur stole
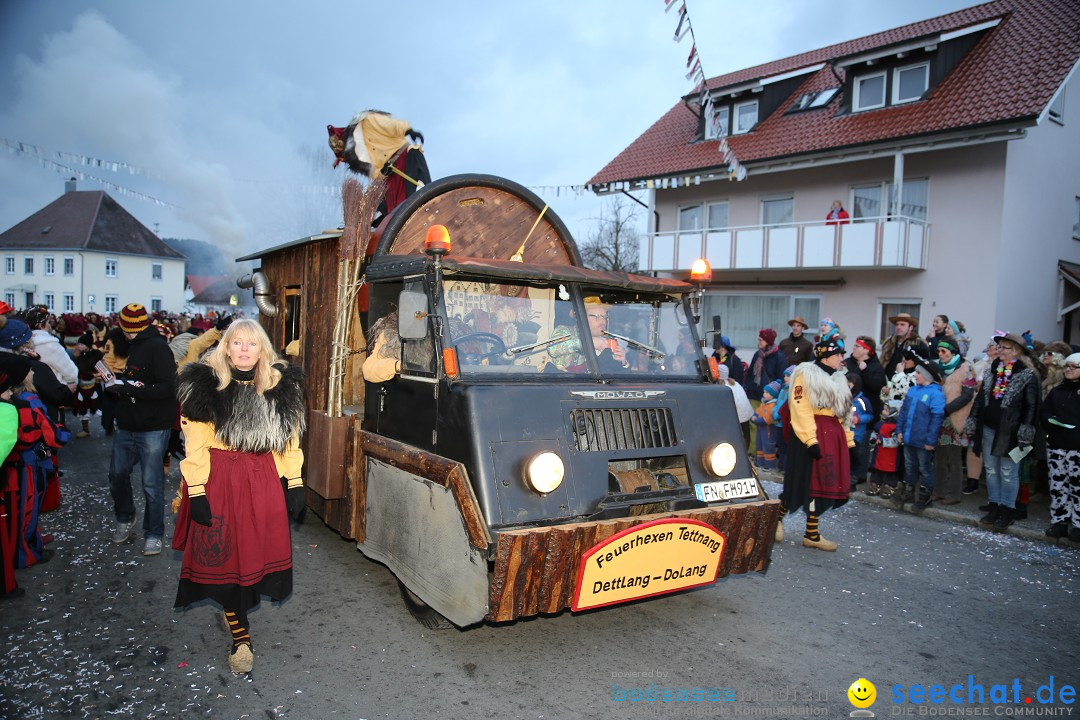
x,y
242,418
826,391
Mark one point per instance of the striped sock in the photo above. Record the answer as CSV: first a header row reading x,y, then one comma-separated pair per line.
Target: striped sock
x,y
238,627
783,512
812,527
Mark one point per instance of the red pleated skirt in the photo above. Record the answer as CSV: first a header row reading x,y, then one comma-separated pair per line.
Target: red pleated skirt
x,y
247,552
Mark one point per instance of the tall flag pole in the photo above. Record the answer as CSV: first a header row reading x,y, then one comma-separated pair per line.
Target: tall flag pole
x,y
696,73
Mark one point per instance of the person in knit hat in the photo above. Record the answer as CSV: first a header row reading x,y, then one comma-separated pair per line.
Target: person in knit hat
x,y
958,383
818,474
15,335
145,410
767,431
766,365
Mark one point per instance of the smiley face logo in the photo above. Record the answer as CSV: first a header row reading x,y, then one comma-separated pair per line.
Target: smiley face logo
x,y
862,693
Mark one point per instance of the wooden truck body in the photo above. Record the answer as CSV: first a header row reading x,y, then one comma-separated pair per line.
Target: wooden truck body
x,y
514,467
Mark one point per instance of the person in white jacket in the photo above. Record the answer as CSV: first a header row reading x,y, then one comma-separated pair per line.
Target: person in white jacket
x,y
49,349
742,404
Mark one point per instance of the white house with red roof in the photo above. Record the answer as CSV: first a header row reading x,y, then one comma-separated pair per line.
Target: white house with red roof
x,y
84,253
953,144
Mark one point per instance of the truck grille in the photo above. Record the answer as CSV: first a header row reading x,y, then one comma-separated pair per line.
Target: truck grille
x,y
602,429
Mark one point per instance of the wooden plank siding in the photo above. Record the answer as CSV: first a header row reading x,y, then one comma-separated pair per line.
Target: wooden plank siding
x,y
536,569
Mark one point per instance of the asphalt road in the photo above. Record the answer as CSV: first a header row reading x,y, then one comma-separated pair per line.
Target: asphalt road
x,y
906,600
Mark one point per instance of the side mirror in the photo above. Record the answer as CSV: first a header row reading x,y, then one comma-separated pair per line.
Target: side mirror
x,y
412,315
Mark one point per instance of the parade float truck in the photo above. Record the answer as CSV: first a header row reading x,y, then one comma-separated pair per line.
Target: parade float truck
x,y
513,466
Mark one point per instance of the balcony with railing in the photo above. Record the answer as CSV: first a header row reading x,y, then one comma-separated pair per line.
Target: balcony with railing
x,y
894,242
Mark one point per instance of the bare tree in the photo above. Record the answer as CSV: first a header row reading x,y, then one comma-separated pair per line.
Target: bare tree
x,y
614,244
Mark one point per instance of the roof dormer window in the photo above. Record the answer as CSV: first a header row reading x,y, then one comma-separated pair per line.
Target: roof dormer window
x,y
910,82
869,92
813,100
717,122
746,116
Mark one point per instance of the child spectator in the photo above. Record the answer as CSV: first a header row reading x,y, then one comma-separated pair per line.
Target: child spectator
x,y
862,416
767,432
778,422
883,466
88,392
918,427
13,369
29,467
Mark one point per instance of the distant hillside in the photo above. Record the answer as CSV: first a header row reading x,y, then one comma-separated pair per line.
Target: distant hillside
x,y
202,257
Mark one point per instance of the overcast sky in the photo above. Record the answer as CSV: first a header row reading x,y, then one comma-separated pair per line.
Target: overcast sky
x,y
222,106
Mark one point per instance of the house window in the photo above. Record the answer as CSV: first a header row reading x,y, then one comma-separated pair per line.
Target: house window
x,y
745,116
716,122
9,265
1057,108
718,215
155,304
155,271
778,210
869,92
69,302
871,202
110,303
69,266
50,266
743,315
50,301
9,298
28,266
690,218
892,308
1076,220
110,268
909,83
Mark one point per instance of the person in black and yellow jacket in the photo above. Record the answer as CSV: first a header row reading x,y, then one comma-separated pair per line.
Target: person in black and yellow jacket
x,y
817,477
242,415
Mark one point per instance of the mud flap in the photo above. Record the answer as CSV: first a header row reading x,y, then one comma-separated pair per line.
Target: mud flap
x,y
415,527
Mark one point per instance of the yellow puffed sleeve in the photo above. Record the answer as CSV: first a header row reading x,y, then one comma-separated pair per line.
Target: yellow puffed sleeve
x,y
199,345
802,414
290,463
195,467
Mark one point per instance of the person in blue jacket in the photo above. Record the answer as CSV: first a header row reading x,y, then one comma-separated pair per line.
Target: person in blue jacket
x,y
862,418
917,428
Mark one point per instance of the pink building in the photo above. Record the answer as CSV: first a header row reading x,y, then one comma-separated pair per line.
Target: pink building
x,y
952,143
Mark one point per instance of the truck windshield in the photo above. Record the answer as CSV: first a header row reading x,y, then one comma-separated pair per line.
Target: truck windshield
x,y
501,328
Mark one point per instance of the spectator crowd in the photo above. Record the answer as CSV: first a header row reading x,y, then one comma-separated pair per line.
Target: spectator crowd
x,y
57,373
931,418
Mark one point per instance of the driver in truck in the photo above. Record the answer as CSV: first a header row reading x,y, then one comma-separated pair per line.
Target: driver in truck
x,y
611,355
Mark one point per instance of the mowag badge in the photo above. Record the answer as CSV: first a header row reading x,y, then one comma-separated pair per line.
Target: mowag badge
x,y
618,394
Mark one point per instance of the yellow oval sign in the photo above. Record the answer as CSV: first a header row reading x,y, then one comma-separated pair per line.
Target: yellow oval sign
x,y
654,558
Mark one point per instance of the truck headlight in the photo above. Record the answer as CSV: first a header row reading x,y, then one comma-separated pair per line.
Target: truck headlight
x,y
544,473
720,459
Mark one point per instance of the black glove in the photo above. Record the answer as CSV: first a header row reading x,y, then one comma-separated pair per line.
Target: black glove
x,y
223,323
814,451
295,501
200,510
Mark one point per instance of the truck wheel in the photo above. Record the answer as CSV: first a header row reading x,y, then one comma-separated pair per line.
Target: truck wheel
x,y
423,612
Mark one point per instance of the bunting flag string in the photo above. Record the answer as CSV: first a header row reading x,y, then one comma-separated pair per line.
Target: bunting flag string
x,y
68,170
696,73
24,148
